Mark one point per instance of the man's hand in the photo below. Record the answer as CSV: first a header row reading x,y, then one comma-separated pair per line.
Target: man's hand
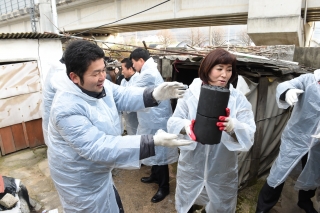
x,y
316,136
170,140
169,90
292,96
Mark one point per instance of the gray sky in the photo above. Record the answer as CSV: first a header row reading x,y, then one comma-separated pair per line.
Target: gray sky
x,y
316,34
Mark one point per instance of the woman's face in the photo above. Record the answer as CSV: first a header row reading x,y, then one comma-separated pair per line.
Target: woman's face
x,y
220,75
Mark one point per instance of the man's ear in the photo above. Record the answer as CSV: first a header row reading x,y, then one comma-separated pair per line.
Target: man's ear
x,y
141,60
74,78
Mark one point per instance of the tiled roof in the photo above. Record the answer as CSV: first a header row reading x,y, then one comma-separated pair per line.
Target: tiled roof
x,y
28,35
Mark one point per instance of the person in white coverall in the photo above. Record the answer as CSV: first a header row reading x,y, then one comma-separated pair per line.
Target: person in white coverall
x,y
152,119
299,142
84,132
130,76
48,94
207,175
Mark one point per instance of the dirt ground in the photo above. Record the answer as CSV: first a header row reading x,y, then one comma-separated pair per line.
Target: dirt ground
x,y
136,196
31,166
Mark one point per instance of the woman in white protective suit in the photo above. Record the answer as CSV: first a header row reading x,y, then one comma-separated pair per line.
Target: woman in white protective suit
x,y
299,142
208,174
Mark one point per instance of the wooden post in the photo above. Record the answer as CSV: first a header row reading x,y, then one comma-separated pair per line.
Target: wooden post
x,y
258,137
145,45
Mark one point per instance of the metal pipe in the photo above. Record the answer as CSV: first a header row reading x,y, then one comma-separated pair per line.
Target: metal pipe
x,y
305,12
54,16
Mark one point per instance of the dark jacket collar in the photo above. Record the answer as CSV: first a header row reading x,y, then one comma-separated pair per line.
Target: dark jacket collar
x,y
97,95
128,79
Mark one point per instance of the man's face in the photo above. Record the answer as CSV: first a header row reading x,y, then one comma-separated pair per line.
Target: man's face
x,y
93,78
138,64
126,72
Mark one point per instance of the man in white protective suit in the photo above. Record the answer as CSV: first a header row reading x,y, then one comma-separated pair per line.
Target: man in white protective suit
x,y
48,93
152,119
299,142
130,76
84,132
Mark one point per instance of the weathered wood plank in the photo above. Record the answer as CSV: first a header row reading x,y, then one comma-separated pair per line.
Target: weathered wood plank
x,y
7,141
18,136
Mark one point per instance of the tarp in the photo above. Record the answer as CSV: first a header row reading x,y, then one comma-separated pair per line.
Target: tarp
x,y
274,122
20,93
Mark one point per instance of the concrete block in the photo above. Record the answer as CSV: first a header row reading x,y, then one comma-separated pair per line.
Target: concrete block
x,y
275,22
8,201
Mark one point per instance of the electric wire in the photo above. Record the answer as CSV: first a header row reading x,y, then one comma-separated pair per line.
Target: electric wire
x,y
123,18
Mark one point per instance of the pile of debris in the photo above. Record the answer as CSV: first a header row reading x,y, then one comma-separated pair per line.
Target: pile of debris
x,y
14,197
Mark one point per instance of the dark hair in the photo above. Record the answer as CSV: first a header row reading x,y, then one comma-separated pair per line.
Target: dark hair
x,y
139,53
78,56
127,62
217,56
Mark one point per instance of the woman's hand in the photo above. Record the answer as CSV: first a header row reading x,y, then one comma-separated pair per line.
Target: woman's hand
x,y
189,129
225,122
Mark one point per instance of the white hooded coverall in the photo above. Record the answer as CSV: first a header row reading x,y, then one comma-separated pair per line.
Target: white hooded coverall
x,y
130,117
296,138
208,174
154,118
84,144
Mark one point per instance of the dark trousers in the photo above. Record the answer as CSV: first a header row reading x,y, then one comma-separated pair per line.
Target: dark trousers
x,y
161,174
269,196
119,203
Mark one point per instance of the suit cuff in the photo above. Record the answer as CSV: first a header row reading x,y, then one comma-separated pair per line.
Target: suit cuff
x,y
146,146
148,99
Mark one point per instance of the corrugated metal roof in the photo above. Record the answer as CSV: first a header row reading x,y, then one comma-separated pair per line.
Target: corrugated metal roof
x,y
28,35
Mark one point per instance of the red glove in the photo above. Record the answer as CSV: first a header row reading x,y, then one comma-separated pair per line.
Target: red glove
x,y
189,130
227,124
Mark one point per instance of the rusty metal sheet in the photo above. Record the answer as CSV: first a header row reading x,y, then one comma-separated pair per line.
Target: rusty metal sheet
x,y
19,78
20,109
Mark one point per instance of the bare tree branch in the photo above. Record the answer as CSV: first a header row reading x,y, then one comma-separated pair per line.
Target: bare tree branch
x,y
244,38
196,37
218,36
165,37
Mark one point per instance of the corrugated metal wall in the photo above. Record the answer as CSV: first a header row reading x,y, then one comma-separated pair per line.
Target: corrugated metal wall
x,y
20,100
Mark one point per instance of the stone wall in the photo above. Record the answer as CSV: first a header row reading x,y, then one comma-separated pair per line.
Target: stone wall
x,y
307,56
